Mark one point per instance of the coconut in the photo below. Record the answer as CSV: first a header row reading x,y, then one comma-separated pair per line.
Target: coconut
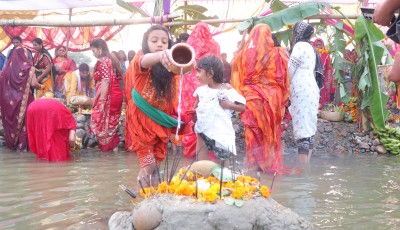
x,y
147,218
203,168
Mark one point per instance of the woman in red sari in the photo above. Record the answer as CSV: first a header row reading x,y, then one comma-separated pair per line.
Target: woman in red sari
x,y
107,104
63,65
328,91
204,45
262,80
43,63
51,129
16,94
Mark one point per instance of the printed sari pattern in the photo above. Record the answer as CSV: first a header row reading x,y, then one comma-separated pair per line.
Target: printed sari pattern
x,y
40,61
104,124
15,97
263,81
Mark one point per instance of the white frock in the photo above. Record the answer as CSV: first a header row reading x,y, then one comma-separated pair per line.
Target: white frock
x,y
304,91
214,121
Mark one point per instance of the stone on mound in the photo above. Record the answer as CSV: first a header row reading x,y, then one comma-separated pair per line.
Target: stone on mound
x,y
181,212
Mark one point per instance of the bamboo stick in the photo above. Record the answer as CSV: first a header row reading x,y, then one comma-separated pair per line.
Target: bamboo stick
x,y
117,22
232,20
82,23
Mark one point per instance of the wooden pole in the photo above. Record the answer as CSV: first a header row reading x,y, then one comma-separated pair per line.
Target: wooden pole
x,y
69,30
98,22
211,21
117,22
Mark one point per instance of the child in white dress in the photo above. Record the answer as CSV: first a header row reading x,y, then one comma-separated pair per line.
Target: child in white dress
x,y
215,103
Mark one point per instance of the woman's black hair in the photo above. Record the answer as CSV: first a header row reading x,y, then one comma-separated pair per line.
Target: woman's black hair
x,y
12,50
162,79
83,67
39,42
17,38
124,58
277,43
212,65
101,44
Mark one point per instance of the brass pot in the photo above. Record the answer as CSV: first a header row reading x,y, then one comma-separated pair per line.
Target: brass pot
x,y
182,57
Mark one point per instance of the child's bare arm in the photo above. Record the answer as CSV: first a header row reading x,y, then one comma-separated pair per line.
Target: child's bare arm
x,y
151,59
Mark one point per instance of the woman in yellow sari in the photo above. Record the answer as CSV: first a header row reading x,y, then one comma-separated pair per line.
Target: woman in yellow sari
x,y
263,82
43,63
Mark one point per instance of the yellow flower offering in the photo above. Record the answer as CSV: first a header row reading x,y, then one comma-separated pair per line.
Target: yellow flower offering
x,y
208,189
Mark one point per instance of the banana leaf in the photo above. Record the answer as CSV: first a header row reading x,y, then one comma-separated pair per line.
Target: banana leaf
x,y
365,28
277,6
338,48
131,8
193,11
287,16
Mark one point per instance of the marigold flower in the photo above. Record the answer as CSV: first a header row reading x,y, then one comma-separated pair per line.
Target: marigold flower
x,y
209,196
184,190
264,190
163,187
238,192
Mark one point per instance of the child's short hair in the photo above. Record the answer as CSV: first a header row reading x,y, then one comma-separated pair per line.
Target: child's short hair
x,y
213,65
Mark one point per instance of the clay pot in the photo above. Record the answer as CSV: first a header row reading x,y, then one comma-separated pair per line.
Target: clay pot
x,y
182,57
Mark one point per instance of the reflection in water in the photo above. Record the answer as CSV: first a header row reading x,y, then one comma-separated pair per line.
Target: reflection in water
x,y
357,192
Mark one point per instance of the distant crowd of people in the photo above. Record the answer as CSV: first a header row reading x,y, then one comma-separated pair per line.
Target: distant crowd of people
x,y
265,84
258,85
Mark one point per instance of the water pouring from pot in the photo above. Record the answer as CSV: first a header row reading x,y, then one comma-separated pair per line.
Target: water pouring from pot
x,y
181,56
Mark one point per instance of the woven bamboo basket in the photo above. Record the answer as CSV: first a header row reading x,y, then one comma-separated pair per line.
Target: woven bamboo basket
x,y
332,115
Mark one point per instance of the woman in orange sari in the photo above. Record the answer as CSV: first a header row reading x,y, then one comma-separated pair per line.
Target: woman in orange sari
x,y
263,82
43,64
108,101
150,91
63,65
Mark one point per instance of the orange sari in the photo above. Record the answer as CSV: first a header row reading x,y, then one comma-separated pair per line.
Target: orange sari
x,y
263,81
143,135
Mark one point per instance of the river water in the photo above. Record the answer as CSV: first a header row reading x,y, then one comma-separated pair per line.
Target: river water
x,y
333,192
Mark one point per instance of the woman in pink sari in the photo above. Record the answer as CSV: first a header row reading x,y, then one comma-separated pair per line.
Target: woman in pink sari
x,y
328,91
204,45
63,65
107,104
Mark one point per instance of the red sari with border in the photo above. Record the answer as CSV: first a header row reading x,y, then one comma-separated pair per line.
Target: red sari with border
x,y
15,97
104,124
329,87
40,61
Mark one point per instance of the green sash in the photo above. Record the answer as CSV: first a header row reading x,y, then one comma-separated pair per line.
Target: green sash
x,y
155,114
